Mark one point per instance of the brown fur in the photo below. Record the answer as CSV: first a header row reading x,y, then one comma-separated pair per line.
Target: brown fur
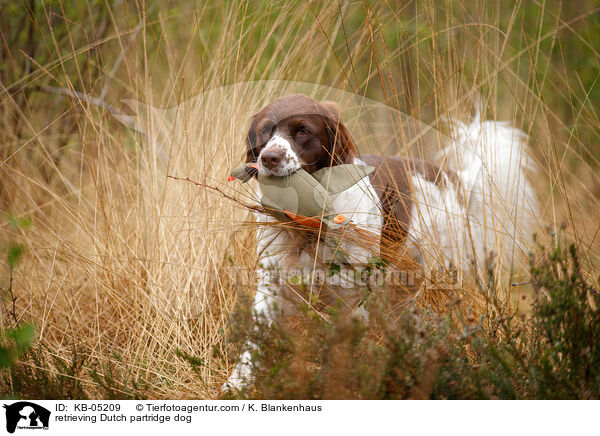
x,y
328,141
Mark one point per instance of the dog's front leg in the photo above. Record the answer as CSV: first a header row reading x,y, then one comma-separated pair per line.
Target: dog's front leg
x,y
264,306
273,248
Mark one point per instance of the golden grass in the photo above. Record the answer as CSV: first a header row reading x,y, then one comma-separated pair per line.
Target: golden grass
x,y
123,261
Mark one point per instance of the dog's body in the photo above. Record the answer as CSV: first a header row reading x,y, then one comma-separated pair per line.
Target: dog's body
x,y
433,215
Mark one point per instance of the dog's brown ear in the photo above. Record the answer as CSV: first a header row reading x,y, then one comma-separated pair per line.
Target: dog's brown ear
x,y
251,145
341,146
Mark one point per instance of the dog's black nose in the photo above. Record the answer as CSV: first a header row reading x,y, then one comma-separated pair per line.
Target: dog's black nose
x,y
271,158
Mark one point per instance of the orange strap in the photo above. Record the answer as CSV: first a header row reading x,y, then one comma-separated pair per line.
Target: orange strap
x,y
309,221
304,220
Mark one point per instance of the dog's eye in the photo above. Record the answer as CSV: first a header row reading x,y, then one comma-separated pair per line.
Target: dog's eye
x,y
267,129
301,131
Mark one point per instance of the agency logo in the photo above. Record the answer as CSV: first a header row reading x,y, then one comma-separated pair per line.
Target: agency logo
x,y
26,415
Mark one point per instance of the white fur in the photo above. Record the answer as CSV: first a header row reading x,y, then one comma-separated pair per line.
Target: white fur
x,y
290,161
492,213
435,232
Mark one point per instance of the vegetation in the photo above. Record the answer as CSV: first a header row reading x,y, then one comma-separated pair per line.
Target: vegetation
x,y
119,282
551,353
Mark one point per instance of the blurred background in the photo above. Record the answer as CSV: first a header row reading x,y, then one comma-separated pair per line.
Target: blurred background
x,y
120,274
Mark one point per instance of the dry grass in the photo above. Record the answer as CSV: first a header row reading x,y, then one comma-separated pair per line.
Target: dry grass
x,y
129,266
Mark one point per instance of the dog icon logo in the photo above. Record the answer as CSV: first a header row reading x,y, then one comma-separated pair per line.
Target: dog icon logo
x,y
26,415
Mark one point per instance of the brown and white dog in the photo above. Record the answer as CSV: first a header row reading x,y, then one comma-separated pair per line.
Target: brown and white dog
x,y
456,216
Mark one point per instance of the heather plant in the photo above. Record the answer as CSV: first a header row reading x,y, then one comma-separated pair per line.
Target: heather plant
x,y
550,353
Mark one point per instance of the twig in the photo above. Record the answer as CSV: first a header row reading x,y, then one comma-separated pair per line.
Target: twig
x,y
81,96
127,120
221,192
356,235
12,312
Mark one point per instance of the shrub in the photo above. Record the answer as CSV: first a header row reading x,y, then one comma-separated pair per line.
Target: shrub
x,y
551,353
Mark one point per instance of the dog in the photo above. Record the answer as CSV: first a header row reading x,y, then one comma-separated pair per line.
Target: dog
x,y
478,202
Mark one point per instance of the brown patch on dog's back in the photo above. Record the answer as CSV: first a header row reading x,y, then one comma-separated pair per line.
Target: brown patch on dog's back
x,y
391,180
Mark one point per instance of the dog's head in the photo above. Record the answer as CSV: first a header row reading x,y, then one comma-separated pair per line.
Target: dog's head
x,y
298,132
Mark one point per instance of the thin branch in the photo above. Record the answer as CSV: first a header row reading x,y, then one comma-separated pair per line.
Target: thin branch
x,y
222,193
12,312
81,96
